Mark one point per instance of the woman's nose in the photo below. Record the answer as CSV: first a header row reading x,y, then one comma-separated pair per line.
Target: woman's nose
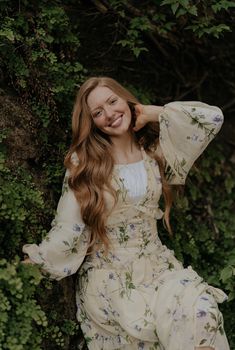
x,y
109,111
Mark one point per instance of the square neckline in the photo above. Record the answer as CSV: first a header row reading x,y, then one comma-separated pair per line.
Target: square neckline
x,y
129,164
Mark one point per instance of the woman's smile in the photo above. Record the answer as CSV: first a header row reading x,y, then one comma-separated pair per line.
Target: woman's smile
x,y
117,122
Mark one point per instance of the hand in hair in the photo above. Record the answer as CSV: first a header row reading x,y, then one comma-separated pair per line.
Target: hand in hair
x,y
145,114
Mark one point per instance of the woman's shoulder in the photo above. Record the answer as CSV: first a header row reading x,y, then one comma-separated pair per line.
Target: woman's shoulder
x,y
74,158
71,162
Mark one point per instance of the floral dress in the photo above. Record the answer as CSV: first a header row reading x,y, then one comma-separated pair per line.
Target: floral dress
x,y
139,296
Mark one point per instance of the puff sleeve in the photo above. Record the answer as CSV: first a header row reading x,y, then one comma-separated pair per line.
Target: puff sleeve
x,y
64,248
186,128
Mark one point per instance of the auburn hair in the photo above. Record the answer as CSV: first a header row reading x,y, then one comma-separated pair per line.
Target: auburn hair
x,y
93,173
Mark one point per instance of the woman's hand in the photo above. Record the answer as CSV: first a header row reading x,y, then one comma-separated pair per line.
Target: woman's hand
x,y
145,114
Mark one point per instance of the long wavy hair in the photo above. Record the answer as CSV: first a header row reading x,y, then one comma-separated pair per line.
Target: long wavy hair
x,y
93,174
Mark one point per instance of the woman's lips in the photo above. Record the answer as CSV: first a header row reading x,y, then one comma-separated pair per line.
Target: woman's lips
x,y
117,122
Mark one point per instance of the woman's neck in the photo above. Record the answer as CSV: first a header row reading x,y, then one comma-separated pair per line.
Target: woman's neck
x,y
125,150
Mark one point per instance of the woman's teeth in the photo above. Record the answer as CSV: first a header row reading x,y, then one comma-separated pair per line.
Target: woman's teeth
x,y
117,122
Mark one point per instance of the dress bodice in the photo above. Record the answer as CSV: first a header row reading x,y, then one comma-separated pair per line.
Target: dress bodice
x,y
127,208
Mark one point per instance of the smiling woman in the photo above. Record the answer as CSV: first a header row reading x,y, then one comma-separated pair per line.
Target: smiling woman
x,y
132,291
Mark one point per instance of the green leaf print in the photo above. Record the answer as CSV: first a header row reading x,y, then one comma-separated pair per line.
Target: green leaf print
x,y
88,340
213,316
127,286
65,186
147,311
123,236
121,190
202,342
179,167
145,240
72,246
129,283
155,346
169,173
203,125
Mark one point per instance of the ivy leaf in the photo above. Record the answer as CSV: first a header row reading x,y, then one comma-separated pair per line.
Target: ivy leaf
x,y
174,7
8,34
184,3
226,273
193,10
166,2
219,5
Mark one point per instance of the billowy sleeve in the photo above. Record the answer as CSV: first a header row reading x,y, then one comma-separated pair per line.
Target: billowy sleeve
x,y
186,128
64,248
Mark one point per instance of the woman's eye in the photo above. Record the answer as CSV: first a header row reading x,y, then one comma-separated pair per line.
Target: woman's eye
x,y
113,101
97,114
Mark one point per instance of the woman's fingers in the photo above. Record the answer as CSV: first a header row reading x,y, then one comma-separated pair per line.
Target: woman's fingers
x,y
140,122
138,109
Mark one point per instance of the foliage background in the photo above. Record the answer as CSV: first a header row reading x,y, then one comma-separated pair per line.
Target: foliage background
x,y
162,51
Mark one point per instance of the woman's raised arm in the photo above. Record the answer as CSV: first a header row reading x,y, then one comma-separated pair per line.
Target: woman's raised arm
x,y
186,128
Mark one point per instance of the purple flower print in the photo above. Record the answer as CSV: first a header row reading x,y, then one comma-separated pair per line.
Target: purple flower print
x,y
138,328
201,313
194,137
217,118
141,345
97,254
114,257
105,312
158,179
67,271
111,276
184,281
102,295
119,339
76,228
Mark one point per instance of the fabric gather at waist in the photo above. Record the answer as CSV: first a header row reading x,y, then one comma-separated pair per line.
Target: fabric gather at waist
x,y
122,257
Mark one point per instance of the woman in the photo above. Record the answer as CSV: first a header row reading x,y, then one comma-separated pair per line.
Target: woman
x,y
132,291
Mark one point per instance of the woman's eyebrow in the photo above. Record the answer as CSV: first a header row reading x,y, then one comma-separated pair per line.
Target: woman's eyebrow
x,y
111,96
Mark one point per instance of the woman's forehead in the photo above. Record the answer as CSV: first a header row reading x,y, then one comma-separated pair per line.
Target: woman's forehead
x,y
98,96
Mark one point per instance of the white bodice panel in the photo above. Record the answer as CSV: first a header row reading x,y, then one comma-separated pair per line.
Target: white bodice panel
x,y
134,176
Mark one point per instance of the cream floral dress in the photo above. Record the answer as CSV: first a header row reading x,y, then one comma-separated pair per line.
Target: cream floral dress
x,y
139,296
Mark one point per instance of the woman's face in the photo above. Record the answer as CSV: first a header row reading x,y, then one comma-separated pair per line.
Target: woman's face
x,y
110,113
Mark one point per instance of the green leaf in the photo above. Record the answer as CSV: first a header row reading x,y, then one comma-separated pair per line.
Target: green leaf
x,y
8,34
166,2
226,273
219,5
184,3
174,7
193,10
